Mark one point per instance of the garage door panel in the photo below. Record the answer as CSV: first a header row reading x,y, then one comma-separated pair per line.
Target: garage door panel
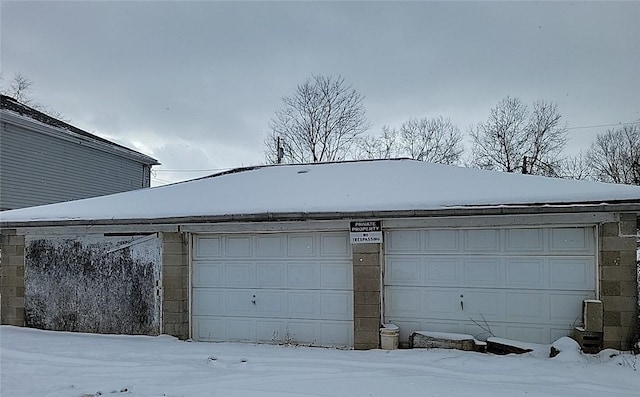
x,y
334,246
240,329
441,302
404,302
286,287
209,247
268,330
239,302
209,329
573,240
238,246
403,241
524,306
524,240
303,275
335,275
270,275
527,333
404,270
482,304
269,246
303,304
482,240
208,274
524,282
441,241
302,246
484,272
526,273
442,271
566,308
303,332
238,274
333,334
208,301
336,305
270,304
571,273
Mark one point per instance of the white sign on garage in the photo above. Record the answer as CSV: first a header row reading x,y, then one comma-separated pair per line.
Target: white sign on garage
x,y
524,284
280,287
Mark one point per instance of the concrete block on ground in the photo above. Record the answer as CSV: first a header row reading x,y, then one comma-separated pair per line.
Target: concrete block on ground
x,y
444,340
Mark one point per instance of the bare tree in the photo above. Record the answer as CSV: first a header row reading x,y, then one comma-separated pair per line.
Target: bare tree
x,y
514,139
384,146
19,89
575,167
615,155
321,121
435,140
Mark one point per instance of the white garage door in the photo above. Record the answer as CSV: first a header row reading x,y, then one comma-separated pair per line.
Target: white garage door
x,y
521,284
276,288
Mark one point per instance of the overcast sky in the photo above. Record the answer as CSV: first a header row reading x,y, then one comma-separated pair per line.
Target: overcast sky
x,y
195,84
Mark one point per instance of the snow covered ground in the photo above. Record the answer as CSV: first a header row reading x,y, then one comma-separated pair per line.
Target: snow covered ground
x,y
44,363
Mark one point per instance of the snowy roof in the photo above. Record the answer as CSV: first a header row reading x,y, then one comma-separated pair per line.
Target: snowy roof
x,y
346,187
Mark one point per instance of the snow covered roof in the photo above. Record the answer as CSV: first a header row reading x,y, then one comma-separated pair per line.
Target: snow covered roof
x,y
332,188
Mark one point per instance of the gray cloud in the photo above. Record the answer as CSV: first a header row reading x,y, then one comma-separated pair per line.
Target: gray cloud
x,y
210,74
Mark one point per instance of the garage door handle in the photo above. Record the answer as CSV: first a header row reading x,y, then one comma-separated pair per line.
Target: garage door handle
x,y
253,300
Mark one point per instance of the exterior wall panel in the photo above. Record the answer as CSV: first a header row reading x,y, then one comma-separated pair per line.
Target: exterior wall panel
x,y
38,169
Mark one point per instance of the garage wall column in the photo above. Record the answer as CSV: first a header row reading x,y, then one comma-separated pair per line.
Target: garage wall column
x,y
12,278
175,285
366,296
618,284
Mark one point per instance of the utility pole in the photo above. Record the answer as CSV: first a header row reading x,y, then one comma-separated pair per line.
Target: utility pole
x,y
279,151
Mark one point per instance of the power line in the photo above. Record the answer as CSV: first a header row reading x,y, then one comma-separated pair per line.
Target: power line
x,y
602,125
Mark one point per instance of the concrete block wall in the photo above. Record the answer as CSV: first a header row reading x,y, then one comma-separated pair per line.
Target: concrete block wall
x,y
366,296
618,284
12,278
175,285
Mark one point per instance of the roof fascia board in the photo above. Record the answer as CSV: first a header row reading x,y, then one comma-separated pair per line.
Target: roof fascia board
x,y
99,229
27,122
319,216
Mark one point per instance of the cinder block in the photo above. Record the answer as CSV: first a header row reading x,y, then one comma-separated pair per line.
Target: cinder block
x,y
628,288
609,258
365,248
172,271
174,294
366,284
592,315
366,324
619,243
610,288
366,337
169,237
610,229
618,273
361,311
361,259
618,303
173,260
16,240
611,319
366,272
628,224
366,297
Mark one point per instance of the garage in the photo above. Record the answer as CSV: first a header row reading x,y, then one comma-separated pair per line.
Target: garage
x,y
524,284
273,287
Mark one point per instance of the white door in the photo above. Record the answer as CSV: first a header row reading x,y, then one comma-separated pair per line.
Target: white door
x,y
277,288
524,284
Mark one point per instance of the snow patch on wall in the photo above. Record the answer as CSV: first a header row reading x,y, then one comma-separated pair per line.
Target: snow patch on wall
x,y
93,284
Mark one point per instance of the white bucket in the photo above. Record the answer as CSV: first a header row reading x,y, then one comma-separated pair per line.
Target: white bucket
x,y
389,336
